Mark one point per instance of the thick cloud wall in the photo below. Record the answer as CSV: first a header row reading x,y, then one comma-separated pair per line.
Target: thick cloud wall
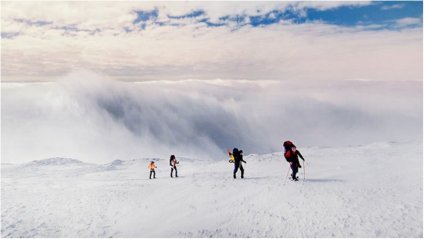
x,y
97,119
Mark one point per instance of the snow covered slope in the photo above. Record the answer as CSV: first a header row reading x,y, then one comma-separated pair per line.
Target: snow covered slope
x,y
367,191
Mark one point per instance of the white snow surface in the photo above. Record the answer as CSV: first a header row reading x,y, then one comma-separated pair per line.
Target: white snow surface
x,y
359,191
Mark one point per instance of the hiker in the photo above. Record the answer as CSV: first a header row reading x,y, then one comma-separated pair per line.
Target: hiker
x,y
291,154
152,167
238,158
173,163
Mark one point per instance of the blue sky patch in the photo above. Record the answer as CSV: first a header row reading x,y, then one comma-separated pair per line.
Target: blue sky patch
x,y
144,16
377,15
193,14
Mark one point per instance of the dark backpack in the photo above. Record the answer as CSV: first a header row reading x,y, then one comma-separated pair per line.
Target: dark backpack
x,y
288,145
288,153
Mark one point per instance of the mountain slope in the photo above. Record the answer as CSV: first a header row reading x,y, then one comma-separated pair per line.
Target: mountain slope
x,y
367,191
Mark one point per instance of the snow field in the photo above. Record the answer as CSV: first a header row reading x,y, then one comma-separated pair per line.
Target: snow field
x,y
363,191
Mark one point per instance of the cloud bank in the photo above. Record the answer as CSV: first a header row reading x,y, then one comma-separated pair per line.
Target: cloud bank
x,y
96,119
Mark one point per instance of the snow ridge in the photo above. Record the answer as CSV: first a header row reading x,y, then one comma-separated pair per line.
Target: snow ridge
x,y
57,161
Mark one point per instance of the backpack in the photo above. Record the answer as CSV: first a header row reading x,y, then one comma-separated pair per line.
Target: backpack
x,y
231,158
288,145
288,154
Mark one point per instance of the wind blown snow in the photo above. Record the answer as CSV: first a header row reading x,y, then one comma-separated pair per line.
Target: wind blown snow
x,y
363,191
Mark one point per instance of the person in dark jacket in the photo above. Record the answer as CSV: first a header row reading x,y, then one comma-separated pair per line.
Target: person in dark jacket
x,y
173,163
238,158
292,156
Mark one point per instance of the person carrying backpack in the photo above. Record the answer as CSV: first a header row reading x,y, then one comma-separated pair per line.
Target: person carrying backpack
x,y
173,163
292,156
238,158
152,167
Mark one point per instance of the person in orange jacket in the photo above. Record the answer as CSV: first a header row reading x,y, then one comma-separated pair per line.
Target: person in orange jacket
x,y
152,167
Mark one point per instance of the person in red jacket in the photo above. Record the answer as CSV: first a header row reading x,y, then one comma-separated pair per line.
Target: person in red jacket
x,y
292,156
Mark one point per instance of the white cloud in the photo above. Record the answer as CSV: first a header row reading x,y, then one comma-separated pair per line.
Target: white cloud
x,y
326,5
394,6
408,21
279,51
283,51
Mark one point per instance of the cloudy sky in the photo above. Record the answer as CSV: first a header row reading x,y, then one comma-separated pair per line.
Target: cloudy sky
x,y
98,81
236,40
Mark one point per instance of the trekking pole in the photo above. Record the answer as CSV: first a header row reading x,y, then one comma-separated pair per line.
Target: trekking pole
x,y
304,170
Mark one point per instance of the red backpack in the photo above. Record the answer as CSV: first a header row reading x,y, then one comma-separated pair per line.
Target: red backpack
x,y
288,145
288,155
